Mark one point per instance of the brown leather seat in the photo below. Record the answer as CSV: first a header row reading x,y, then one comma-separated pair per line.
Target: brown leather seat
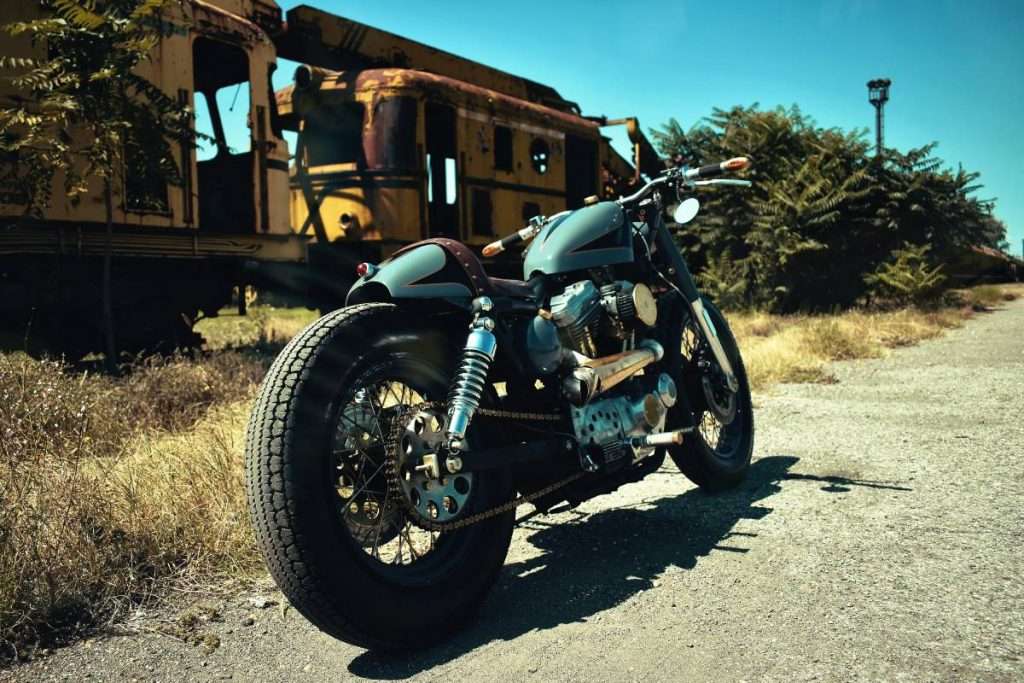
x,y
483,283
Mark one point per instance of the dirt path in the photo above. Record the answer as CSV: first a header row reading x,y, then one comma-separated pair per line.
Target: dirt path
x,y
878,537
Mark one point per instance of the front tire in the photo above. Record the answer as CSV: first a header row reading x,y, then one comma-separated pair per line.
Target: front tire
x,y
323,517
716,455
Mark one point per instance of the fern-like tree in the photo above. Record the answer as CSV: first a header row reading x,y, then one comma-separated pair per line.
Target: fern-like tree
x,y
84,112
823,212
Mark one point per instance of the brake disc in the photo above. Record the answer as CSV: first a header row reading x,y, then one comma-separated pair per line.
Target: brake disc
x,y
720,399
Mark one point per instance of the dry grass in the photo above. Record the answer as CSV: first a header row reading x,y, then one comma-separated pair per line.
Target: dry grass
x,y
265,328
797,348
110,486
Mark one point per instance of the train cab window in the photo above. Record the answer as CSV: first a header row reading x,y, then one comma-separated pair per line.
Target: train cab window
x,y
483,213
335,135
233,104
206,140
221,98
145,187
393,144
503,158
540,155
530,209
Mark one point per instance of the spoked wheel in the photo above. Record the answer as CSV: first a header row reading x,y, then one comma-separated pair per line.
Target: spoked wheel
x,y
332,454
381,497
717,454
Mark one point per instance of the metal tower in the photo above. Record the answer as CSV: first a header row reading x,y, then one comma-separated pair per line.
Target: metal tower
x,y
878,95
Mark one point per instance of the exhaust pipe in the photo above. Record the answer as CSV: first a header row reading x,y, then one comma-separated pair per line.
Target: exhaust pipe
x,y
594,376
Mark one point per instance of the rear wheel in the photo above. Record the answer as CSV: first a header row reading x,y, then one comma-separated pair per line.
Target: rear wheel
x,y
337,538
716,455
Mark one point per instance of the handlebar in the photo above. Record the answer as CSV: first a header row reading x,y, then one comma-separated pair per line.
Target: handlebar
x,y
524,235
694,176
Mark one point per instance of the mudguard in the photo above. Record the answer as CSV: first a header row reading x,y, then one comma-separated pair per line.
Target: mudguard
x,y
432,269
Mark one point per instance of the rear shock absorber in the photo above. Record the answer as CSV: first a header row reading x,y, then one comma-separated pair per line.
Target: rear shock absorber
x,y
471,377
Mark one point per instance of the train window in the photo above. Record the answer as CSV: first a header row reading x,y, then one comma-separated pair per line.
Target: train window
x,y
450,180
145,186
335,135
483,212
393,144
233,105
540,155
530,209
206,142
503,148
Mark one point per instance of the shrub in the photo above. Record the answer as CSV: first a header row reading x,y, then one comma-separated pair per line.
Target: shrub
x,y
907,278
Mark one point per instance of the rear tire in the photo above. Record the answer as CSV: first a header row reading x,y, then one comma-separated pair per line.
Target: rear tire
x,y
316,553
714,464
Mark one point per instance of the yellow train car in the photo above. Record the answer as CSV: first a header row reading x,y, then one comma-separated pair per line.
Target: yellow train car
x,y
397,141
396,155
177,250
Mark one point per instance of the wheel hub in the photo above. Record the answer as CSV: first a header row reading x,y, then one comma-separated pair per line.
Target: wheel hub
x,y
720,399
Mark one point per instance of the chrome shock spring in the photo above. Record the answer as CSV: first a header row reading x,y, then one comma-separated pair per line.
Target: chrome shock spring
x,y
470,379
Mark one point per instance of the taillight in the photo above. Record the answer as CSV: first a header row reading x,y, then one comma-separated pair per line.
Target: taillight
x,y
366,269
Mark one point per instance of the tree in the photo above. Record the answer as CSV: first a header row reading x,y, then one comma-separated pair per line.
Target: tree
x,y
823,212
84,112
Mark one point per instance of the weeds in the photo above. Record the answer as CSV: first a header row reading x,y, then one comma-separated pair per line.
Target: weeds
x,y
108,486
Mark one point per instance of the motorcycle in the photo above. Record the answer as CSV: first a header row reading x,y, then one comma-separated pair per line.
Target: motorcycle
x,y
393,439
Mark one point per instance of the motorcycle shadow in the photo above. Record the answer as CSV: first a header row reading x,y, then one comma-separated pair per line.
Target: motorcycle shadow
x,y
599,561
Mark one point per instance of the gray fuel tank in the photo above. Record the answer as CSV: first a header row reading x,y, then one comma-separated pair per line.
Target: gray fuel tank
x,y
593,236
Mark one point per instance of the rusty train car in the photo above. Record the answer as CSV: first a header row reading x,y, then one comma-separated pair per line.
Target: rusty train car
x,y
396,141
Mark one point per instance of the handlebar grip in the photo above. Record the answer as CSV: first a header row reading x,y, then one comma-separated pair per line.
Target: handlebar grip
x,y
498,246
713,170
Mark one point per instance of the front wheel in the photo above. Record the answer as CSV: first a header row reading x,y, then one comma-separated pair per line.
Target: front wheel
x,y
323,492
716,455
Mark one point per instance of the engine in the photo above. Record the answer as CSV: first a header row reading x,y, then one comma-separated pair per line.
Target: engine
x,y
585,315
593,322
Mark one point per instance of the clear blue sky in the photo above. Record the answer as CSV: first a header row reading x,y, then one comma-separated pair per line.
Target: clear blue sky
x,y
957,66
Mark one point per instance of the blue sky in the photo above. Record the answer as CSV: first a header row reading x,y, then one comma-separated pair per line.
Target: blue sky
x,y
957,66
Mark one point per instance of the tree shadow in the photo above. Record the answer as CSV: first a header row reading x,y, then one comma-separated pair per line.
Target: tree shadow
x,y
597,562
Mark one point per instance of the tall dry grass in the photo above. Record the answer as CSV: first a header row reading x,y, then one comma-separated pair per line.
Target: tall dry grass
x,y
110,486
797,348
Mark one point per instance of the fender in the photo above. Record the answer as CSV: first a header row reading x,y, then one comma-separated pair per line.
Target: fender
x,y
437,268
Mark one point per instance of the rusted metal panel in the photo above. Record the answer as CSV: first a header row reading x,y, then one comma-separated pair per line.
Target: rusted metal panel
x,y
393,80
335,42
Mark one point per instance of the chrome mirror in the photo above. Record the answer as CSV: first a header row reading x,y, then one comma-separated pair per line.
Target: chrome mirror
x,y
686,211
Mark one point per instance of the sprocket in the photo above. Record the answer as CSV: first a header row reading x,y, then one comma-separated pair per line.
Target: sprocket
x,y
416,435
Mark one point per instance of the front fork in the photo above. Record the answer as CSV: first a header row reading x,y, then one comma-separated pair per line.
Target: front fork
x,y
682,278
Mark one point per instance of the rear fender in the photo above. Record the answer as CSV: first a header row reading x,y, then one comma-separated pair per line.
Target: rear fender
x,y
423,271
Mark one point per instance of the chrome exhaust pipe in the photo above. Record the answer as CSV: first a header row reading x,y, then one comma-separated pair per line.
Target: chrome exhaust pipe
x,y
594,376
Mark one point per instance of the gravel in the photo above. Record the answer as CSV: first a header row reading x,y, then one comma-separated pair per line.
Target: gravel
x,y
878,537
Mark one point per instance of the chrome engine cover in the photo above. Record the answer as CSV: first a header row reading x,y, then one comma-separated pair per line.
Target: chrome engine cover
x,y
602,427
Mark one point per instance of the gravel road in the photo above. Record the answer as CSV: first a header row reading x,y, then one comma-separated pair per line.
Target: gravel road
x,y
878,537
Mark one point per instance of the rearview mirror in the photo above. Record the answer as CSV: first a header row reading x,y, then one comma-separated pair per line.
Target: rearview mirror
x,y
686,211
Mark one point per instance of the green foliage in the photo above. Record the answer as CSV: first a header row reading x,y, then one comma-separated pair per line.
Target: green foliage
x,y
907,278
83,111
823,212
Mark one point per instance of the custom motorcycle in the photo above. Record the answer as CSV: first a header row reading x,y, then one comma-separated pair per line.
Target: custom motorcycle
x,y
393,439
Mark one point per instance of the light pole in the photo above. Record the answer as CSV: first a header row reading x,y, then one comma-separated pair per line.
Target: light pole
x,y
878,95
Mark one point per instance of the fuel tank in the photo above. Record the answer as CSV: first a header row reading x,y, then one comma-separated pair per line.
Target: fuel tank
x,y
593,236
